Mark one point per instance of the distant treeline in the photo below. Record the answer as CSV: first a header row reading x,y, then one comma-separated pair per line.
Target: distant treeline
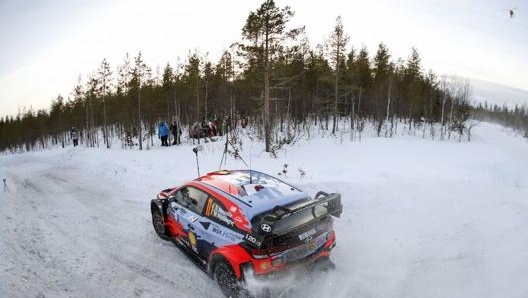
x,y
512,117
273,75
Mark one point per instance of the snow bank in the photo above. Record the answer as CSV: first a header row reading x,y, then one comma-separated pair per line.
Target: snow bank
x,y
421,218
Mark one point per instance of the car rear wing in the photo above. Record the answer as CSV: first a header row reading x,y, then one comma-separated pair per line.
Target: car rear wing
x,y
276,222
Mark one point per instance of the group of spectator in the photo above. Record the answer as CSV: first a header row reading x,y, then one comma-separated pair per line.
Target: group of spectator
x,y
210,128
206,129
164,130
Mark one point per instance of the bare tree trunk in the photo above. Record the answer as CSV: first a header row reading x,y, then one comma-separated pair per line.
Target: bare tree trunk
x,y
336,91
442,118
205,98
388,107
352,119
450,119
87,134
288,118
358,124
267,122
198,102
388,100
105,130
140,134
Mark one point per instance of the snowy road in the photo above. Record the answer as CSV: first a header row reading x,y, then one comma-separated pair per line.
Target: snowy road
x,y
69,234
430,219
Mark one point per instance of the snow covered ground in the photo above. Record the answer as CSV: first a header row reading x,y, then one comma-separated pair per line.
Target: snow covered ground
x,y
422,218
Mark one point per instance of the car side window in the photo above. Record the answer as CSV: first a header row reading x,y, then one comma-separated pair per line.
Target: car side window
x,y
180,196
192,199
216,211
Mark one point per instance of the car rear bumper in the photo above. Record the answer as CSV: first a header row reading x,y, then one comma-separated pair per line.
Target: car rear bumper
x,y
272,269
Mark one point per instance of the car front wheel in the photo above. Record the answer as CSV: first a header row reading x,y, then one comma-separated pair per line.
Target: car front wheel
x,y
159,225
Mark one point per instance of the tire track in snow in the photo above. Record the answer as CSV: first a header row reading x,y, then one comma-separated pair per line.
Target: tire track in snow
x,y
73,236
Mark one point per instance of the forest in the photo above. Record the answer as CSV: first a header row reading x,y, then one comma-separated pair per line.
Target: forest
x,y
272,76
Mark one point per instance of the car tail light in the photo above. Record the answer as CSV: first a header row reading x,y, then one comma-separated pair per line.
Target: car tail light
x,y
264,266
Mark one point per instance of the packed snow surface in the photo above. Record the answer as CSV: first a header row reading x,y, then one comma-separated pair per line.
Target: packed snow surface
x,y
422,218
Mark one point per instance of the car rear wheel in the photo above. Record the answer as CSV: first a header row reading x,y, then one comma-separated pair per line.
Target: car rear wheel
x,y
159,225
228,282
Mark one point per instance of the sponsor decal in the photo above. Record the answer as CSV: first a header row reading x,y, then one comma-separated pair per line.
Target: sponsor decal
x,y
253,240
205,224
209,207
233,209
193,218
212,209
192,239
307,234
229,236
216,230
224,233
223,216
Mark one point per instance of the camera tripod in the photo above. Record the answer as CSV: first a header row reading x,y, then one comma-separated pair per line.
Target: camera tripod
x,y
224,155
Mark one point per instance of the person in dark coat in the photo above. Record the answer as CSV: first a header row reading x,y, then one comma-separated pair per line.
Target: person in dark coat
x,y
74,136
163,133
176,132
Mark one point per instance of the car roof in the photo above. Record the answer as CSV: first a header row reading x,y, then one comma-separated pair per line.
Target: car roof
x,y
259,192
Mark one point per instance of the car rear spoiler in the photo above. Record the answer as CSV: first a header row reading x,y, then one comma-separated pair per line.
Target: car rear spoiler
x,y
264,228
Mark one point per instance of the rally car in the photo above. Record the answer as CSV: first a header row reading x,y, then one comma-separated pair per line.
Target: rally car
x,y
239,222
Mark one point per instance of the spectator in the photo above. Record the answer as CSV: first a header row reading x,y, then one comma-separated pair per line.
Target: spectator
x,y
163,133
176,132
74,136
244,122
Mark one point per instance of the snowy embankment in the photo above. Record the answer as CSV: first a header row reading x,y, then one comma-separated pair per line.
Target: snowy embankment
x,y
421,218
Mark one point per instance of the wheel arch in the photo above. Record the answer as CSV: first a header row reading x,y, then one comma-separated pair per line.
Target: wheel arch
x,y
234,255
157,205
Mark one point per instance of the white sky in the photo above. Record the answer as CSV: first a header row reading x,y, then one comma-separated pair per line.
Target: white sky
x,y
46,45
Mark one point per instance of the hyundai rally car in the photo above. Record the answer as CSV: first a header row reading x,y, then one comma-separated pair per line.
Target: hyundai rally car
x,y
234,223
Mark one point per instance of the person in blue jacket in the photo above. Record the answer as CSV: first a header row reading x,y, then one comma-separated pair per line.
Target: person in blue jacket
x,y
163,133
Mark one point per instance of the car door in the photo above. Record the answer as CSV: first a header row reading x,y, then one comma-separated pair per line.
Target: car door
x,y
187,210
221,230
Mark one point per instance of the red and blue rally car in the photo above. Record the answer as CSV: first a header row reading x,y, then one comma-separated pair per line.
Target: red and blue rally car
x,y
234,223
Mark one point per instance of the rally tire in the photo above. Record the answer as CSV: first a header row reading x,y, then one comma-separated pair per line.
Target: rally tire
x,y
159,225
228,282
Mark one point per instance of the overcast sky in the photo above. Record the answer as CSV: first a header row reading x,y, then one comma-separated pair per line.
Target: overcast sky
x,y
46,44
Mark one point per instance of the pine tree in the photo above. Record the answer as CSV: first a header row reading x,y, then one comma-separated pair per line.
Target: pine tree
x,y
193,78
382,71
265,29
338,41
140,74
104,74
